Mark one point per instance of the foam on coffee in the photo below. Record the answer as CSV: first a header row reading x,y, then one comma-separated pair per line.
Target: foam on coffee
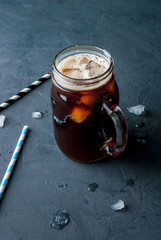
x,y
82,66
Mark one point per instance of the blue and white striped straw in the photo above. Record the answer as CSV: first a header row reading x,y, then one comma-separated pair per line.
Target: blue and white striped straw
x,y
13,160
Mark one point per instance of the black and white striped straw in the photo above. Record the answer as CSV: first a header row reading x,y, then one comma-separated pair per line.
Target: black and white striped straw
x,y
24,91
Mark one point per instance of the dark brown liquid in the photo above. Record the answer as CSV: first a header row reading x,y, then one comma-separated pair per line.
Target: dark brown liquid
x,y
82,136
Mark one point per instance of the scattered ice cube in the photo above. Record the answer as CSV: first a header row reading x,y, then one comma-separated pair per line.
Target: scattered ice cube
x,y
92,187
37,115
137,110
60,220
119,205
2,120
139,124
62,185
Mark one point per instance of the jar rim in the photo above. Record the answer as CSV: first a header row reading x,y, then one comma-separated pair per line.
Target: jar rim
x,y
84,48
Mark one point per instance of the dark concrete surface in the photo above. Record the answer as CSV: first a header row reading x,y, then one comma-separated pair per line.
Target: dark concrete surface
x,y
31,33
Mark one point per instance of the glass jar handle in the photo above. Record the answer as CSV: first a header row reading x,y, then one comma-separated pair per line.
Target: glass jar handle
x,y
115,147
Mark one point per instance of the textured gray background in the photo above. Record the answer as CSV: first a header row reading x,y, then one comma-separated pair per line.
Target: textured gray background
x,y
31,33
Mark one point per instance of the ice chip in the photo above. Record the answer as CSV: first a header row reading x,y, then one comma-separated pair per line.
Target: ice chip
x,y
137,110
62,186
92,187
139,124
119,205
2,120
37,115
61,219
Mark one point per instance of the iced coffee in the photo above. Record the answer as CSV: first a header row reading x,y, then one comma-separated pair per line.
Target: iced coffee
x,y
83,83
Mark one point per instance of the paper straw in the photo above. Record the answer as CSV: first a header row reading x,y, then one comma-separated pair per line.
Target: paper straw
x,y
24,91
13,160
